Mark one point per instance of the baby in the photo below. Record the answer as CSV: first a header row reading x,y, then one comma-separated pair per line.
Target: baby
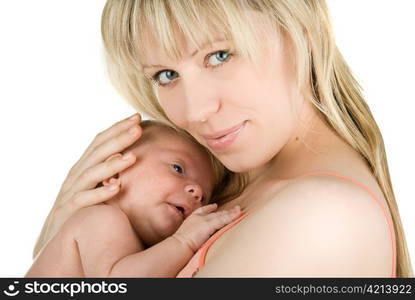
x,y
153,226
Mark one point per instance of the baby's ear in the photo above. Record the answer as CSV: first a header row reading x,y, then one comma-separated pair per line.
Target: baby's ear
x,y
114,179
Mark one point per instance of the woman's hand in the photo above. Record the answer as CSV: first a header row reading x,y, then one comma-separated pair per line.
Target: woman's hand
x,y
100,161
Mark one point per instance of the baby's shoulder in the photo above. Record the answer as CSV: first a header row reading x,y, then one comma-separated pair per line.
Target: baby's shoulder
x,y
100,210
100,218
101,213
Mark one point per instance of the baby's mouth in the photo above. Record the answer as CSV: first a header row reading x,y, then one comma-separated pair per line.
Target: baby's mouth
x,y
181,209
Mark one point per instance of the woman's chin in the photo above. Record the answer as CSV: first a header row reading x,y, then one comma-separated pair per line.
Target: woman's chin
x,y
237,165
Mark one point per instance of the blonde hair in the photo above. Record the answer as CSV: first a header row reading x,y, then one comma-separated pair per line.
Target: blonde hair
x,y
319,63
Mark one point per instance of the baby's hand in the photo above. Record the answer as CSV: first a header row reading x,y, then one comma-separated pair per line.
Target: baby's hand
x,y
202,223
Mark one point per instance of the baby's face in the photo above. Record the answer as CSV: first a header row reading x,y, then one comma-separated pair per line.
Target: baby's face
x,y
170,179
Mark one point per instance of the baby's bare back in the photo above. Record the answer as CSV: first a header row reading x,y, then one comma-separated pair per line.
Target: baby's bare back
x,y
100,232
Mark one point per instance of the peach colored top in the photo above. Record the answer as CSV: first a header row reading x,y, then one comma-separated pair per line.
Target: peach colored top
x,y
198,260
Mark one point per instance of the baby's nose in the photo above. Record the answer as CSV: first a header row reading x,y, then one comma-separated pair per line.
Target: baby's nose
x,y
194,191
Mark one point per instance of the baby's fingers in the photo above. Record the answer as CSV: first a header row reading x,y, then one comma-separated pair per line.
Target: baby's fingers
x,y
221,218
206,209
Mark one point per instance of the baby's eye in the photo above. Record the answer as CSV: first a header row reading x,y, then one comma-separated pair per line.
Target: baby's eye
x,y
177,168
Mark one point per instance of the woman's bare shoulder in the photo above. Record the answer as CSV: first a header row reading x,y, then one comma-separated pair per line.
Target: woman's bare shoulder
x,y
315,226
319,188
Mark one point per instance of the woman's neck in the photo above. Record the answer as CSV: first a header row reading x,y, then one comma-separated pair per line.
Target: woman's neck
x,y
312,144
311,137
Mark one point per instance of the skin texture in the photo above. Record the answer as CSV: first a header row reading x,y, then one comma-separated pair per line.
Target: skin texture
x,y
99,241
291,138
266,98
169,169
130,234
315,226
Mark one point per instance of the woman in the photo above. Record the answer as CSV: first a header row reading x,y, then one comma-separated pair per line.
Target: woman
x,y
283,108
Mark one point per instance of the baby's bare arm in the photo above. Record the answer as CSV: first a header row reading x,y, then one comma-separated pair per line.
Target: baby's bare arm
x,y
87,244
168,257
164,259
104,244
103,236
109,247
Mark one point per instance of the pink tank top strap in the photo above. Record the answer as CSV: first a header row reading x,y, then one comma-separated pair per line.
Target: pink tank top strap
x,y
198,260
205,247
378,202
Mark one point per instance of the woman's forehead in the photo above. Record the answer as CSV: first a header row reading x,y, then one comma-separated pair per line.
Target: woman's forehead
x,y
153,52
152,48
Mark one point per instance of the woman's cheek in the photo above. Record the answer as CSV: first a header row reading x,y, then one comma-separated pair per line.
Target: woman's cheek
x,y
172,108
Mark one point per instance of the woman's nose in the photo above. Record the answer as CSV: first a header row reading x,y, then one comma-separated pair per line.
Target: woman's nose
x,y
203,112
202,101
194,191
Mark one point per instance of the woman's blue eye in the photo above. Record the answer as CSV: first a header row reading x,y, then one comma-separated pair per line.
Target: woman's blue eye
x,y
177,168
165,77
219,57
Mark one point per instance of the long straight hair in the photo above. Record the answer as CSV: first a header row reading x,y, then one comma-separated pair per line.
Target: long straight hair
x,y
319,64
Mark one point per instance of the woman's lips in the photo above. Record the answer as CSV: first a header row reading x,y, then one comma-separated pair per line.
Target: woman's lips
x,y
224,139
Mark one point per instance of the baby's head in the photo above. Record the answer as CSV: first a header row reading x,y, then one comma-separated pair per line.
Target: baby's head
x,y
172,176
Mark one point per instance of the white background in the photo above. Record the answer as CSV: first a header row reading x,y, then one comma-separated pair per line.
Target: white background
x,y
55,98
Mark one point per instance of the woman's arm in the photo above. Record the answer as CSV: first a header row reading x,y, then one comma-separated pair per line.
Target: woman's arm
x,y
316,227
80,188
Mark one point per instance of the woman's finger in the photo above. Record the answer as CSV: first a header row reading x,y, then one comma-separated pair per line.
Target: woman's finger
x,y
109,133
93,196
114,130
107,169
106,149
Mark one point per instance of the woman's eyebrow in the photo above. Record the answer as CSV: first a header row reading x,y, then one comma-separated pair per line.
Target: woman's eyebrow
x,y
204,45
153,66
